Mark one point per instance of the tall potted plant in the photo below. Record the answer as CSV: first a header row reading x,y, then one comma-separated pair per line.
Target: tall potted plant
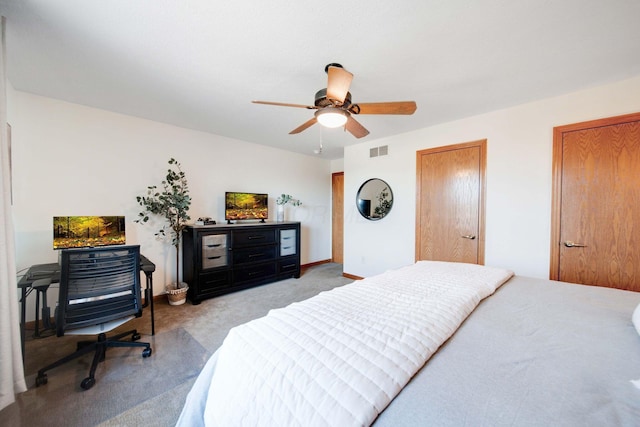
x,y
171,202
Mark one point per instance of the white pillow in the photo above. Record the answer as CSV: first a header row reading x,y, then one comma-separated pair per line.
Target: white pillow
x,y
636,318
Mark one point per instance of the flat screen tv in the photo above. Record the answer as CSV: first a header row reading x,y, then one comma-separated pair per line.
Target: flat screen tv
x,y
88,231
241,206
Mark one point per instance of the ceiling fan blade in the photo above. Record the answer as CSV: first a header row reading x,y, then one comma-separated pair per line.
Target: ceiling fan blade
x,y
355,128
282,104
338,83
304,126
401,107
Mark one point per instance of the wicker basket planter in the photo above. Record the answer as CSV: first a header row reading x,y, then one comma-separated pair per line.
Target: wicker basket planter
x,y
177,295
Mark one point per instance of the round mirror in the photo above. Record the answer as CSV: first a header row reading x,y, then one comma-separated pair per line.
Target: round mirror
x,y
374,199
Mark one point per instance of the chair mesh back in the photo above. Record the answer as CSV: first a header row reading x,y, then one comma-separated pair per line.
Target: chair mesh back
x,y
98,285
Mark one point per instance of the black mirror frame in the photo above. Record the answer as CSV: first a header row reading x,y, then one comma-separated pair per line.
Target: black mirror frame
x,y
385,202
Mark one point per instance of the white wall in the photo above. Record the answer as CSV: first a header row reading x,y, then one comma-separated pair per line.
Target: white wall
x,y
337,165
70,159
74,160
518,206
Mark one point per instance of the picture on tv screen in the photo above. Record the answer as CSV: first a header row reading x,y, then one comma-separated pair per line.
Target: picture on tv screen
x,y
240,206
88,231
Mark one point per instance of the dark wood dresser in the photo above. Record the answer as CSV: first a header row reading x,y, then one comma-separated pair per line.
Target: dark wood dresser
x,y
218,259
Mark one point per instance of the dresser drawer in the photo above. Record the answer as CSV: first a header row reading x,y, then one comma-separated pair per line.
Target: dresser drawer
x,y
214,241
290,265
254,272
214,258
214,250
260,253
212,281
288,242
253,237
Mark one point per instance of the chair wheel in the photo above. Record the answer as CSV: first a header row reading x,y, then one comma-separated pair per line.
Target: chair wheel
x,y
146,352
135,337
87,383
41,380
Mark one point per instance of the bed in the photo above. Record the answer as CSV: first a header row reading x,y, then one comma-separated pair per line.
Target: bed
x,y
501,350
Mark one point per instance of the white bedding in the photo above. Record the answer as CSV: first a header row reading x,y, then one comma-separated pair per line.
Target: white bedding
x,y
338,358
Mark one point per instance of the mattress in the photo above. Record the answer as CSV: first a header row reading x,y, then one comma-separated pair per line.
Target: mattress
x,y
536,353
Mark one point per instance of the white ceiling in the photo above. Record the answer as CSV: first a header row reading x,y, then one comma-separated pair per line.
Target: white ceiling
x,y
198,64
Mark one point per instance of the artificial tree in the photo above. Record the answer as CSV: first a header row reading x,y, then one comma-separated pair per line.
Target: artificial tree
x,y
171,202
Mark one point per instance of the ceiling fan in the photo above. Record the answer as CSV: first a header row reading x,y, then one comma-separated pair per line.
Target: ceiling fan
x,y
334,107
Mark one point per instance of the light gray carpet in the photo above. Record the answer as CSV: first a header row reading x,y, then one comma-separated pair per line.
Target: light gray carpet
x,y
176,358
131,390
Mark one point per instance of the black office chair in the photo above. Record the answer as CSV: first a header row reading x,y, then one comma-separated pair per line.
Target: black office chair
x,y
99,291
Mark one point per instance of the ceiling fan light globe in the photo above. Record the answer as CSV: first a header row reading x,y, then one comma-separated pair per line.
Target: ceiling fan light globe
x,y
331,118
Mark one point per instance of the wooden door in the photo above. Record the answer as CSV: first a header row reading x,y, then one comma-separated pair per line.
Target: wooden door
x,y
450,203
337,217
596,203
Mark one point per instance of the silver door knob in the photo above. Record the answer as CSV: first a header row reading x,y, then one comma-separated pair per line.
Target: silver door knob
x,y
469,236
571,244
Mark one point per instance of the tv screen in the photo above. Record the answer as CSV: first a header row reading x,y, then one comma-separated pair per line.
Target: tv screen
x,y
240,206
88,231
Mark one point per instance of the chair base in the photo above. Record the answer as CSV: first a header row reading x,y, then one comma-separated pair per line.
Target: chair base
x,y
99,348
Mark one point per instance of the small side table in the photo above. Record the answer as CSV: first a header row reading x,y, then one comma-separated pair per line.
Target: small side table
x,y
41,286
148,268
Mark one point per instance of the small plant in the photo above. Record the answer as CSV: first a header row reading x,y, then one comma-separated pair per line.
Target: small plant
x,y
172,203
286,198
282,201
384,204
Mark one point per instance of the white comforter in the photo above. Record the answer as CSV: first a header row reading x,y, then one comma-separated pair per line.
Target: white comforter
x,y
339,358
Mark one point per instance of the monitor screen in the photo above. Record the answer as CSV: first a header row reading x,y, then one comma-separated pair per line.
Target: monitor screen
x,y
88,231
240,206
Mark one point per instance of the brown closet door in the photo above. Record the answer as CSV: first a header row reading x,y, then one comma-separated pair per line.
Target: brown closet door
x,y
337,217
450,203
597,203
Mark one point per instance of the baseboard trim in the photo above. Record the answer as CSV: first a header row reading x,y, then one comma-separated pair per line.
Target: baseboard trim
x,y
31,324
325,261
313,264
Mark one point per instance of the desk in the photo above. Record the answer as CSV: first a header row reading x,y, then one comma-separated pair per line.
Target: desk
x,y
52,271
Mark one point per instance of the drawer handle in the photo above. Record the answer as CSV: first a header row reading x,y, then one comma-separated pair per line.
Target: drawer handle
x,y
256,237
286,247
255,255
286,238
288,266
254,273
214,246
213,257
